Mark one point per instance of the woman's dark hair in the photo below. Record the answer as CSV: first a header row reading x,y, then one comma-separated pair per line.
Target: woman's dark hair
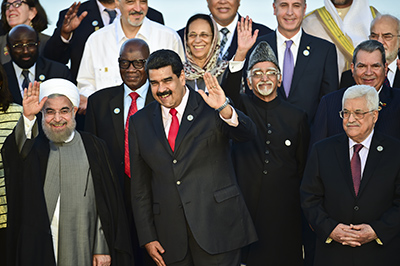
x,y
203,17
39,22
5,95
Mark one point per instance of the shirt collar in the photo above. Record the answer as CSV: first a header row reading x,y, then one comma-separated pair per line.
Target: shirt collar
x,y
392,67
18,70
180,108
231,27
142,91
280,39
366,142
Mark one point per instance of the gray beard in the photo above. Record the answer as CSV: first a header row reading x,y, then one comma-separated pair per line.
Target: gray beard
x,y
58,137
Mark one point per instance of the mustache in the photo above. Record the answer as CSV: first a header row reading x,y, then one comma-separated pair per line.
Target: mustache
x,y
136,13
57,124
164,93
352,124
265,83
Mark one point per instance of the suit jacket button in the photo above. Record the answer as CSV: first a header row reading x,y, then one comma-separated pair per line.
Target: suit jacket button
x,y
178,182
265,172
174,161
356,208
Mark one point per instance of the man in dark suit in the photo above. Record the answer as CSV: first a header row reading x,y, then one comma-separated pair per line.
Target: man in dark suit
x,y
108,110
386,30
226,16
351,189
23,44
75,24
314,59
187,205
369,67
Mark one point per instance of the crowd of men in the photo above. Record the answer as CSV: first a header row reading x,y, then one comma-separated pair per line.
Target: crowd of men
x,y
293,159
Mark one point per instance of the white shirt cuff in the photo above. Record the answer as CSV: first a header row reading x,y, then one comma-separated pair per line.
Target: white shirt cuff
x,y
233,121
235,66
28,125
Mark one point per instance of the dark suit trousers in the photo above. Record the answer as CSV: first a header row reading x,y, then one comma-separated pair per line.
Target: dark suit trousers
x,y
196,256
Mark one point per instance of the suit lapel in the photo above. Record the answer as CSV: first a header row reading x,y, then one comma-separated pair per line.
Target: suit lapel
x,y
373,159
301,62
93,9
116,106
159,128
40,70
396,82
342,154
385,96
13,84
188,118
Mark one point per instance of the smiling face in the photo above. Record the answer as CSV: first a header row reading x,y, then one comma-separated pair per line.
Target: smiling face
x,y
359,129
133,12
134,50
264,80
199,39
58,118
369,69
167,88
25,56
20,15
289,14
223,11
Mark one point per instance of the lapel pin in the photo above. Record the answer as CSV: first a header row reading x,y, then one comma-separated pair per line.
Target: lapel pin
x,y
288,143
95,23
306,53
42,77
189,117
379,148
117,110
5,51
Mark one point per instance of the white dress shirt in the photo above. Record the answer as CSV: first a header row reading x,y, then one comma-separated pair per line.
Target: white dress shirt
x,y
363,152
99,65
140,101
281,47
392,68
105,17
231,27
20,77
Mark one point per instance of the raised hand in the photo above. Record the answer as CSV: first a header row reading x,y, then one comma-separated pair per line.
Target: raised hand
x,y
30,101
216,96
246,38
71,20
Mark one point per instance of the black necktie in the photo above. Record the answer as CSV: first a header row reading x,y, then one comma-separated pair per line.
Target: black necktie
x,y
112,14
25,83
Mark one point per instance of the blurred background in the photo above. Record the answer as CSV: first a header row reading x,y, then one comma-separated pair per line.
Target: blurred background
x,y
177,12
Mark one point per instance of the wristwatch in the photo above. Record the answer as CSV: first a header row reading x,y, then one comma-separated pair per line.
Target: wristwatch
x,y
224,105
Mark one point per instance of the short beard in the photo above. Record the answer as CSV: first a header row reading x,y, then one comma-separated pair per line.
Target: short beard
x,y
265,92
135,24
58,137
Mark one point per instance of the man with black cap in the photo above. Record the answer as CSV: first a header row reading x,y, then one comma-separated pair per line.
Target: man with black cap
x,y
65,207
270,167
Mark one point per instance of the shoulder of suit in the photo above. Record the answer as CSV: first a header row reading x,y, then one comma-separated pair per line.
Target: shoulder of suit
x,y
319,41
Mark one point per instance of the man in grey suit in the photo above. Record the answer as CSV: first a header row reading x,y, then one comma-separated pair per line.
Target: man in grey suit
x,y
186,202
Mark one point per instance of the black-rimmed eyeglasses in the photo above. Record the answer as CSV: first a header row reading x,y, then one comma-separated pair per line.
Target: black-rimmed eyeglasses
x,y
125,64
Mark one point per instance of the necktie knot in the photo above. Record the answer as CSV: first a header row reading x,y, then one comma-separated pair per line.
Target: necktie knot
x,y
25,73
173,111
134,96
288,44
224,31
357,148
112,14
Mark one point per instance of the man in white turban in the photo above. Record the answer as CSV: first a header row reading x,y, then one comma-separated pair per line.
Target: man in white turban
x,y
64,204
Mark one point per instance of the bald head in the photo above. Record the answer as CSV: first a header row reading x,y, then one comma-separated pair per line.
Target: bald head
x,y
132,58
22,42
386,30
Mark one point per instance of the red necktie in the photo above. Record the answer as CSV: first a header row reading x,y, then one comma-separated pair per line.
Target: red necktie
x,y
173,130
356,167
132,110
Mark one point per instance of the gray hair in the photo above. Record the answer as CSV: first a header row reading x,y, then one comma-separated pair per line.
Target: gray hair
x,y
370,46
368,92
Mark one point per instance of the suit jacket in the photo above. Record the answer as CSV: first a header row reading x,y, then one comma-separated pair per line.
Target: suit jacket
x,y
328,198
104,121
45,69
315,73
59,51
194,186
347,79
263,30
328,122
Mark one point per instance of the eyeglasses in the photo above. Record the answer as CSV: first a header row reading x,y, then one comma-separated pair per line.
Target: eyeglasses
x,y
15,4
52,112
137,64
385,36
19,47
203,36
345,114
258,74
